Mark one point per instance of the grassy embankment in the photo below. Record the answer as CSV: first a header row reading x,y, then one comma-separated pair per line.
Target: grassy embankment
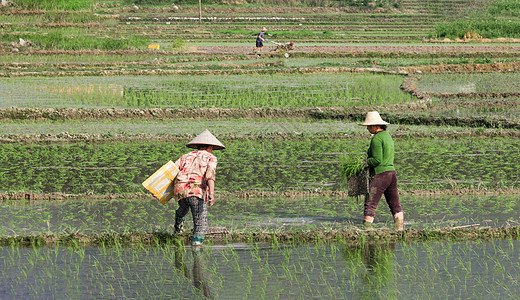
x,y
500,19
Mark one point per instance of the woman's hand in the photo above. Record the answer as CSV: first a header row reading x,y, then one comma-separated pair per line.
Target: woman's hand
x,y
211,200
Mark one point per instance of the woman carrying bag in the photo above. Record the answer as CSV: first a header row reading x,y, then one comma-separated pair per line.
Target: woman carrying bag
x,y
194,186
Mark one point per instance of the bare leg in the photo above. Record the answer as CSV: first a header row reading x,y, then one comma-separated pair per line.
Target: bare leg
x,y
399,221
368,221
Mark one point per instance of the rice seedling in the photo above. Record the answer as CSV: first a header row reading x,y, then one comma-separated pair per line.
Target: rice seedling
x,y
270,165
331,270
484,83
337,90
351,165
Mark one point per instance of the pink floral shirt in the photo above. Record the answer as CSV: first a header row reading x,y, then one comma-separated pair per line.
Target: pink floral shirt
x,y
195,169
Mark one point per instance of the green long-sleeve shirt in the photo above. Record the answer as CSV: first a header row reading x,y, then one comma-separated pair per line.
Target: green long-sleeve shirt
x,y
381,152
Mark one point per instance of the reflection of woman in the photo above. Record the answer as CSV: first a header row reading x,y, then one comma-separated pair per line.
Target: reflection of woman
x,y
381,161
378,260
195,184
200,280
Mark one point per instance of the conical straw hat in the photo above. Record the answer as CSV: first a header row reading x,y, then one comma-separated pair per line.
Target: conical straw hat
x,y
206,138
373,118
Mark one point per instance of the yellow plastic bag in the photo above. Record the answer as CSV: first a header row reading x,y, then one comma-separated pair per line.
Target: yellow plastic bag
x,y
161,182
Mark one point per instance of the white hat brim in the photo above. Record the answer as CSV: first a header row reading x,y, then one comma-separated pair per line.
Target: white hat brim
x,y
373,118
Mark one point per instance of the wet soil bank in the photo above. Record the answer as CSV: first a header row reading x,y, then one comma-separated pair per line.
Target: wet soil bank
x,y
415,115
67,138
350,235
58,196
158,68
355,50
464,68
384,50
264,11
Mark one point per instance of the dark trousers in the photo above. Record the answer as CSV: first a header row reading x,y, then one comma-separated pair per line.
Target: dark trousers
x,y
383,184
199,213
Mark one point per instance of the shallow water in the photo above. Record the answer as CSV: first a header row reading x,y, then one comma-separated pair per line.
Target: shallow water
x,y
253,214
470,83
429,270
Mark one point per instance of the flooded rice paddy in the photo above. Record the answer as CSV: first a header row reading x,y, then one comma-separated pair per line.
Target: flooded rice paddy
x,y
479,107
338,270
278,90
130,215
470,83
252,165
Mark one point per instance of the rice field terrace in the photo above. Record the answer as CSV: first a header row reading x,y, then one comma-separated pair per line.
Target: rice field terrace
x,y
96,96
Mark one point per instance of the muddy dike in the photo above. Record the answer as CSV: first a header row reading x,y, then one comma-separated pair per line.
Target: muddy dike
x,y
67,138
272,67
356,114
245,195
350,235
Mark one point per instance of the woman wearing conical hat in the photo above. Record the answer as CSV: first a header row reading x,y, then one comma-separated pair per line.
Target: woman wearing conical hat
x,y
194,186
381,162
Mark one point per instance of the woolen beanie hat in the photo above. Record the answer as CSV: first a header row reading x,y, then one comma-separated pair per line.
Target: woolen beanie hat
x,y
206,138
373,118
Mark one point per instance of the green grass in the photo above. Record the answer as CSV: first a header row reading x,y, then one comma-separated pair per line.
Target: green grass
x,y
487,29
55,4
59,39
500,19
504,8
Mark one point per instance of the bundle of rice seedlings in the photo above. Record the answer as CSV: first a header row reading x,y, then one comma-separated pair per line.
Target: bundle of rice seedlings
x,y
354,173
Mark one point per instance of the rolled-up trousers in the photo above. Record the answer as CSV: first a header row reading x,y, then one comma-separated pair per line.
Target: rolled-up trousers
x,y
383,184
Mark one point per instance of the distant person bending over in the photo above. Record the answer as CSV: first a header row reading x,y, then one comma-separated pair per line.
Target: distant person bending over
x,y
381,162
194,186
260,40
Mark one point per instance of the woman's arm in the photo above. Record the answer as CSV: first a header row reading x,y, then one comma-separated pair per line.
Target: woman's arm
x,y
376,149
211,192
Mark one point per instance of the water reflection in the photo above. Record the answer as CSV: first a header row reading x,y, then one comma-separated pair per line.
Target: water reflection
x,y
200,271
378,262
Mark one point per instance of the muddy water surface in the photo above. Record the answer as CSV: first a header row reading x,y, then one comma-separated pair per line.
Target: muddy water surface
x,y
253,214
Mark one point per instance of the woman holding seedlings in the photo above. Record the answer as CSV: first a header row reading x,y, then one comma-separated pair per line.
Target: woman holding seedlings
x,y
381,162
194,186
